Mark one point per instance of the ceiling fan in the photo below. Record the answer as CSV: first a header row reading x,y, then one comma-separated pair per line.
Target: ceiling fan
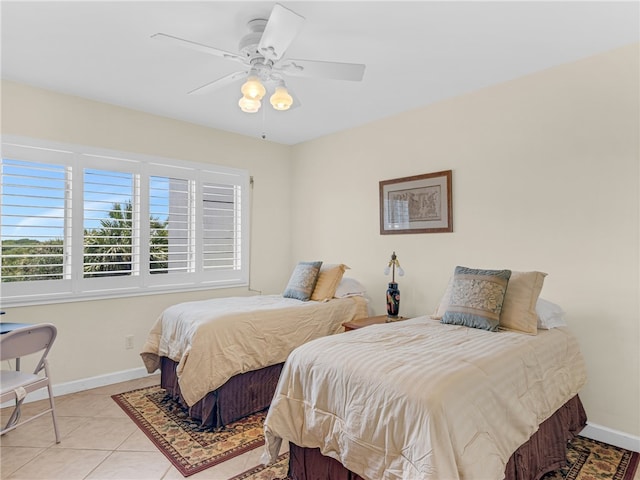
x,y
261,53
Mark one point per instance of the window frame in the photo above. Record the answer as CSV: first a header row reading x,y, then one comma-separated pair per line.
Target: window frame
x,y
77,288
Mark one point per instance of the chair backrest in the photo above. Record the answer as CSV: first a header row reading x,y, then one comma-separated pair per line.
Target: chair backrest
x,y
27,340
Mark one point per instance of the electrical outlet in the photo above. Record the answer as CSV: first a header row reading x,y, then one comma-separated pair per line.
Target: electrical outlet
x,y
128,342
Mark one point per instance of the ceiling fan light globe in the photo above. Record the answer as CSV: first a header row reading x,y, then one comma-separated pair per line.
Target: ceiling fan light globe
x,y
253,89
281,100
249,105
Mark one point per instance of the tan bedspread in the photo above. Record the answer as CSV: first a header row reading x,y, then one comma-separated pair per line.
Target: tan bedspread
x,y
420,400
216,339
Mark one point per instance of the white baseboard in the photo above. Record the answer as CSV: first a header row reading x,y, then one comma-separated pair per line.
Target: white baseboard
x,y
86,384
612,437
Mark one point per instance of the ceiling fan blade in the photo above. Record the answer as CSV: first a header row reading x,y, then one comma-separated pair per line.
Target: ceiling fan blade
x,y
331,70
283,26
296,100
219,83
170,39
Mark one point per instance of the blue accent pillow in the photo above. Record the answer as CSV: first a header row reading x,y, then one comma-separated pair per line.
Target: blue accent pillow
x,y
476,298
302,281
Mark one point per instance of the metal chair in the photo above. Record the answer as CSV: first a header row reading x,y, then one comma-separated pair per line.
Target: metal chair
x,y
16,385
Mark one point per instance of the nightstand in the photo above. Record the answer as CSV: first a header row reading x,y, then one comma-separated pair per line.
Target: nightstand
x,y
365,322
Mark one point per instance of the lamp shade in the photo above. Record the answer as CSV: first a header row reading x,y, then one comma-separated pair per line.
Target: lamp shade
x,y
253,89
281,100
249,105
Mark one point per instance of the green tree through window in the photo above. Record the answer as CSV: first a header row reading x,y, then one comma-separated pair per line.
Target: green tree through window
x,y
108,249
29,259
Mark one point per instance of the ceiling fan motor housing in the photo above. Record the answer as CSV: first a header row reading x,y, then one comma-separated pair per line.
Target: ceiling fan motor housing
x,y
260,66
248,45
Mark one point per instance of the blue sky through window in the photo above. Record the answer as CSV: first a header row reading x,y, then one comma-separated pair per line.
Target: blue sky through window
x,y
102,191
33,198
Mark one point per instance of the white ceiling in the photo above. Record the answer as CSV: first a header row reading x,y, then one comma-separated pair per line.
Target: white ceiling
x,y
416,53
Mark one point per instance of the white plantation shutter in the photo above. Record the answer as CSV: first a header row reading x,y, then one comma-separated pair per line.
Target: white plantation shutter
x,y
171,248
110,208
222,234
81,223
34,205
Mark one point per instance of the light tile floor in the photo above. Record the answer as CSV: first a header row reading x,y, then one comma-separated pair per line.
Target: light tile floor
x,y
99,441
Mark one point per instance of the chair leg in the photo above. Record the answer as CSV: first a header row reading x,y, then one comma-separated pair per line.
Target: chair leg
x,y
53,412
15,415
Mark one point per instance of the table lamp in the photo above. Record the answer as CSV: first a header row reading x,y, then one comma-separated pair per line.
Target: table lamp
x,y
393,293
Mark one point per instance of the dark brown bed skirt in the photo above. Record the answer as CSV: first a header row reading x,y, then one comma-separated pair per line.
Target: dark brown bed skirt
x,y
242,395
545,451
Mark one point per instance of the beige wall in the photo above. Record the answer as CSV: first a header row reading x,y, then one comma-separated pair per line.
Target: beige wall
x,y
91,334
545,177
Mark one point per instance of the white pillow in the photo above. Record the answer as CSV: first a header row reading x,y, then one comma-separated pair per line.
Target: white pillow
x,y
349,287
550,315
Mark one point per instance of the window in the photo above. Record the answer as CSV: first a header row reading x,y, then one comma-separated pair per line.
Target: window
x,y
170,209
218,224
34,204
81,223
108,232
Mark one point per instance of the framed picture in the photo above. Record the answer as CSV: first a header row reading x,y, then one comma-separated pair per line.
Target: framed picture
x,y
418,204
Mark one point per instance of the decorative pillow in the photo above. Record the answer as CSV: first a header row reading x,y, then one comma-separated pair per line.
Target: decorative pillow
x,y
349,287
328,281
550,315
519,306
476,298
303,281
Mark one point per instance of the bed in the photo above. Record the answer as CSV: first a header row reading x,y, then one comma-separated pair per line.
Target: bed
x,y
359,398
431,398
221,358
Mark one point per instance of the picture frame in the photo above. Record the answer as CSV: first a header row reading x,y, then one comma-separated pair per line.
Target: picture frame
x,y
417,204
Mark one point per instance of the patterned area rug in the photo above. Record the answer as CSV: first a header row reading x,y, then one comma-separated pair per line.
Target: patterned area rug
x,y
191,449
277,471
592,460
